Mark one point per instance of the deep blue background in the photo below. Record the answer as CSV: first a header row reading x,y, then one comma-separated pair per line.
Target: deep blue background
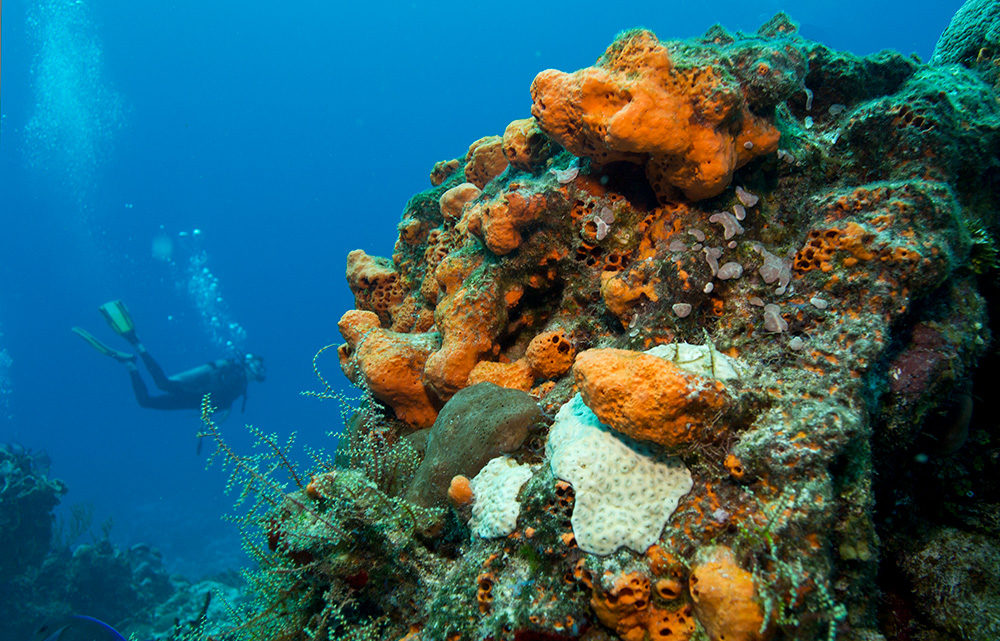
x,y
290,133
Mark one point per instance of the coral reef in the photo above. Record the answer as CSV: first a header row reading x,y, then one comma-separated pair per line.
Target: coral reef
x,y
738,288
44,577
27,498
972,39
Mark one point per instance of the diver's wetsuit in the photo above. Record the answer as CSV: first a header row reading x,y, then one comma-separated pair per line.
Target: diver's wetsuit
x,y
224,379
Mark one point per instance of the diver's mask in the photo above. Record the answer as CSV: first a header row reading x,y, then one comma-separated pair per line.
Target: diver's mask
x,y
255,367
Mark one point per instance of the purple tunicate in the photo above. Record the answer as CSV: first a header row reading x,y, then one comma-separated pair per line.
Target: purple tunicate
x,y
602,229
818,302
730,225
745,197
712,256
729,271
773,322
770,271
775,269
719,515
567,175
682,310
784,277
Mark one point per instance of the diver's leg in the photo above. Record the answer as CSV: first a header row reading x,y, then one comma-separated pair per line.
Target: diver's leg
x,y
142,393
138,385
159,378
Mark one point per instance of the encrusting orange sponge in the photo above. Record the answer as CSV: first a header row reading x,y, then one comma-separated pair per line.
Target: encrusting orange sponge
x,y
375,284
391,364
627,609
624,291
623,608
550,354
689,126
485,160
469,320
649,398
515,375
725,599
498,221
460,491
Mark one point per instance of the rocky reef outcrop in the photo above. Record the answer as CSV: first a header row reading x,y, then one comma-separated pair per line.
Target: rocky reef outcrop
x,y
747,279
44,578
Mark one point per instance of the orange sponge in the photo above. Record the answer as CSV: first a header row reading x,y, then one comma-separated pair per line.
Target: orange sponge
x,y
725,599
687,125
485,160
460,491
390,364
498,221
516,375
375,284
649,398
526,145
453,200
550,354
469,320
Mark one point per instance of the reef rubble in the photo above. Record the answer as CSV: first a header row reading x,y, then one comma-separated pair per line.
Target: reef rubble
x,y
746,279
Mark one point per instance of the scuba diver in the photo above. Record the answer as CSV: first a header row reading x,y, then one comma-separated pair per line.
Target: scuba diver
x,y
225,379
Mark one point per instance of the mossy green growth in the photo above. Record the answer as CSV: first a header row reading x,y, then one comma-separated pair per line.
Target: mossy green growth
x,y
530,556
327,551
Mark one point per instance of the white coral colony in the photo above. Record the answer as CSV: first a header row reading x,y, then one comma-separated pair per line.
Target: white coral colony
x,y
625,492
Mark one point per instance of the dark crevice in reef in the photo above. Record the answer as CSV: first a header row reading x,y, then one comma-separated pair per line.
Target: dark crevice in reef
x,y
629,180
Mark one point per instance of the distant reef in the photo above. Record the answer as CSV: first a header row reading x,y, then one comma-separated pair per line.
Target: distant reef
x,y
45,574
701,349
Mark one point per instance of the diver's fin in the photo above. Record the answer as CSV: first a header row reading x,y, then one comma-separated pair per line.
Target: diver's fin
x,y
123,357
119,319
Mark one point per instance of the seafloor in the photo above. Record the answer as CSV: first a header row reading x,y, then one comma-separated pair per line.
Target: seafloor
x,y
701,349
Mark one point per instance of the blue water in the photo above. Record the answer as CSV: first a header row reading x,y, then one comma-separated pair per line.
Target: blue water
x,y
287,134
